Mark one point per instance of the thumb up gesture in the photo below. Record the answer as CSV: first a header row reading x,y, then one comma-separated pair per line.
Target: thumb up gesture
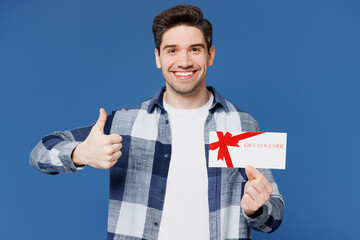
x,y
98,150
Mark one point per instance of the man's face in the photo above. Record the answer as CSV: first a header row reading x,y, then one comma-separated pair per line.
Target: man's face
x,y
184,59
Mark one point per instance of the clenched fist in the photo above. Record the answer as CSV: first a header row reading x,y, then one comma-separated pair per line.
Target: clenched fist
x,y
98,150
257,191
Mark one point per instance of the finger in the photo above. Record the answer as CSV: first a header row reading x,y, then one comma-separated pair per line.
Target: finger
x,y
245,201
268,186
100,124
248,173
252,173
116,147
247,198
263,194
116,156
256,174
259,185
252,192
257,199
114,138
262,185
111,164
248,204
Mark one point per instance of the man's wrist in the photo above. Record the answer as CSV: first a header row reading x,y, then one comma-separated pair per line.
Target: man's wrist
x,y
75,157
255,214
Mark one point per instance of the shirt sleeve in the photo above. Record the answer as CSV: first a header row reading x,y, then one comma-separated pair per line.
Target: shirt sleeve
x,y
272,211
52,155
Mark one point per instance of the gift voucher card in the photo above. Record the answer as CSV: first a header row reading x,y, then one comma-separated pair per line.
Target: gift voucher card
x,y
238,149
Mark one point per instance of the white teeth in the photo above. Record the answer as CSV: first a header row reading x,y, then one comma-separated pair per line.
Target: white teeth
x,y
184,74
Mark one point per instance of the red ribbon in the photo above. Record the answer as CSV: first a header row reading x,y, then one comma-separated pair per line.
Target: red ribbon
x,y
229,140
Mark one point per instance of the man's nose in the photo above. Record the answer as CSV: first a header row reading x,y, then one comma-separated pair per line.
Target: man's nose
x,y
184,60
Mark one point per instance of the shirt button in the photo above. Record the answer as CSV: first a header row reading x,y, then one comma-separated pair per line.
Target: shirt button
x,y
166,155
166,121
156,224
162,191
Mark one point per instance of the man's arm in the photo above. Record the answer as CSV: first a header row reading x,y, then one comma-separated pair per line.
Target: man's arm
x,y
262,203
71,150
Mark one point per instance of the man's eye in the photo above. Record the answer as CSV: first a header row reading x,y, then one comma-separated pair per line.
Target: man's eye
x,y
195,50
172,51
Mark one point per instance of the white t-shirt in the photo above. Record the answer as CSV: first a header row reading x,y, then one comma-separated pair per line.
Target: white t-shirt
x,y
186,208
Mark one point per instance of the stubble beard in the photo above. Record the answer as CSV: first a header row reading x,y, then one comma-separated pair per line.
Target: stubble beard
x,y
185,90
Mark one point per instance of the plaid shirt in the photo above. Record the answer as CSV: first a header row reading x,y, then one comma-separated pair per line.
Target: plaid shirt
x,y
138,179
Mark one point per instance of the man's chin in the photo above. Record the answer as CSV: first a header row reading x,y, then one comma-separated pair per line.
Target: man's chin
x,y
184,90
186,87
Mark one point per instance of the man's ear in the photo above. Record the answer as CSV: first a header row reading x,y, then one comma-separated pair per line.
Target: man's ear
x,y
157,58
211,55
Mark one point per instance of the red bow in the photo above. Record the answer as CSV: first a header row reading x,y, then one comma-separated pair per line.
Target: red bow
x,y
229,140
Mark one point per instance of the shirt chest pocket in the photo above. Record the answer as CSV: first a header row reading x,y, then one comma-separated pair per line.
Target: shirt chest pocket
x,y
235,175
233,183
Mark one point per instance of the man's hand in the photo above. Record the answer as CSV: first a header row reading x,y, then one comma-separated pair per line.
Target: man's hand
x,y
98,150
257,191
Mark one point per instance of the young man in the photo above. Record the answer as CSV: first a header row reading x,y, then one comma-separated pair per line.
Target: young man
x,y
160,183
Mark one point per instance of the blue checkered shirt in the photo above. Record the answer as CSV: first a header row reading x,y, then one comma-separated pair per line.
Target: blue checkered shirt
x,y
138,179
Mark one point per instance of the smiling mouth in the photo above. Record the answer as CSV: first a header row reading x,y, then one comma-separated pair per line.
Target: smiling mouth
x,y
184,75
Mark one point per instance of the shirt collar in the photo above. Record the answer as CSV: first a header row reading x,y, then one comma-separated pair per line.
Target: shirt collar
x,y
157,100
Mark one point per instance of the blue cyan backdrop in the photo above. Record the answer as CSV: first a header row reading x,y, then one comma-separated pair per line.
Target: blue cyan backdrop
x,y
294,65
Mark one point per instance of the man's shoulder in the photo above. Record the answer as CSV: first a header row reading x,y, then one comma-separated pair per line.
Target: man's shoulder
x,y
228,106
146,107
131,113
126,120
141,106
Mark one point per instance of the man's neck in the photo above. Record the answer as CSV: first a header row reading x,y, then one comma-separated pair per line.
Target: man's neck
x,y
187,101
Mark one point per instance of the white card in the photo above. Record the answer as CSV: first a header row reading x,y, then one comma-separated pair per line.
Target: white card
x,y
238,149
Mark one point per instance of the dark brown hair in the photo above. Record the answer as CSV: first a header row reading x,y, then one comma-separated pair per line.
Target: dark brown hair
x,y
181,15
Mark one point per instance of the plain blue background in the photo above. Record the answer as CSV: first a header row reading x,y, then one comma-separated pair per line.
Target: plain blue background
x,y
294,65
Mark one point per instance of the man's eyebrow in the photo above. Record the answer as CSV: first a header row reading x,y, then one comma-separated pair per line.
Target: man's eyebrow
x,y
191,46
170,46
198,45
